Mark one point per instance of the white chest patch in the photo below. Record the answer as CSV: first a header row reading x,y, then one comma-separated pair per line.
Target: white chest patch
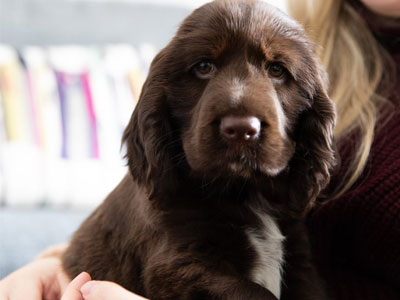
x,y
267,242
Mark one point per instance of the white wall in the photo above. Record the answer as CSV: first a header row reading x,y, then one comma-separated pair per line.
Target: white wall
x,y
186,3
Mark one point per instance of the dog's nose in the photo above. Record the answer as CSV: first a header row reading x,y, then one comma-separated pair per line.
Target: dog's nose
x,y
236,128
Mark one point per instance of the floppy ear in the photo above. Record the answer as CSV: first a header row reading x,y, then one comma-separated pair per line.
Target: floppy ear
x,y
148,133
315,155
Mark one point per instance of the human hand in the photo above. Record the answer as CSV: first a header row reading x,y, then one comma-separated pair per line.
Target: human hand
x,y
43,278
105,290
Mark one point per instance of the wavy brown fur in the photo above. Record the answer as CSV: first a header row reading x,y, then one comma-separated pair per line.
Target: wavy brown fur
x,y
176,226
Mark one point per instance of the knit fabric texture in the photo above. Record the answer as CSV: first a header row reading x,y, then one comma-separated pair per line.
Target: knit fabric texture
x,y
356,238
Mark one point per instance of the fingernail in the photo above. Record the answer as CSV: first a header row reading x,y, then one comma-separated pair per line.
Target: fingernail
x,y
87,287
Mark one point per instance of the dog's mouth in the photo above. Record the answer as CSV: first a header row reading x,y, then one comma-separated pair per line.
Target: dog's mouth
x,y
247,166
241,162
212,154
241,169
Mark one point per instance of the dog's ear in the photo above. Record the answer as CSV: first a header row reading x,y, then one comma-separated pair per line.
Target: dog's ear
x,y
315,156
148,134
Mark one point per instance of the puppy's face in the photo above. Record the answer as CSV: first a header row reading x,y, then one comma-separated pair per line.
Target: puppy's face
x,y
238,93
235,88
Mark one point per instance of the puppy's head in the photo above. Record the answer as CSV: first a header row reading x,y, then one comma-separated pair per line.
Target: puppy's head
x,y
237,93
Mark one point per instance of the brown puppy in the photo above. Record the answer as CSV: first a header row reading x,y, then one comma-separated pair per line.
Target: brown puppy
x,y
229,145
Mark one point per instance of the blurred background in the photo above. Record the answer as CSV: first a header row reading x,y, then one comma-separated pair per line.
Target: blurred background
x,y
71,72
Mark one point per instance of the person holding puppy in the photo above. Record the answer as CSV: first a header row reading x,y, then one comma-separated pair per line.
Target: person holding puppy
x,y
355,233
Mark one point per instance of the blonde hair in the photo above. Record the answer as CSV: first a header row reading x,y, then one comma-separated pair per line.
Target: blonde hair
x,y
355,63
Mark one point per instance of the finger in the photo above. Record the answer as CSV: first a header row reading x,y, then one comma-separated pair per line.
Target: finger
x,y
73,290
105,290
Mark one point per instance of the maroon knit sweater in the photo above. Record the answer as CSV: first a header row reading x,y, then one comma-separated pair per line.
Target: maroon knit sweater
x,y
356,238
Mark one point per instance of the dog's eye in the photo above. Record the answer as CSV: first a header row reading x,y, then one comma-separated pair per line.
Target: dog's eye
x,y
276,70
204,69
